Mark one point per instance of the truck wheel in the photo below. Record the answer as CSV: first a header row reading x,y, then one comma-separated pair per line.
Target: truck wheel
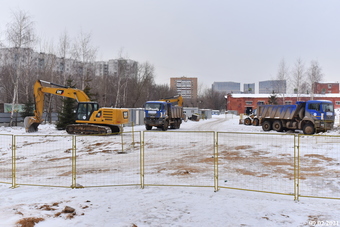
x,y
165,126
175,125
277,126
247,121
266,126
178,124
256,122
308,129
148,127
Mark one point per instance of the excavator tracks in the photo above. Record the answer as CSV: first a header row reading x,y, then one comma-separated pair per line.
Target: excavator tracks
x,y
88,129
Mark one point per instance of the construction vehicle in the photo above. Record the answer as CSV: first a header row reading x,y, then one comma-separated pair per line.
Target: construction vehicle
x,y
164,113
310,117
251,119
90,119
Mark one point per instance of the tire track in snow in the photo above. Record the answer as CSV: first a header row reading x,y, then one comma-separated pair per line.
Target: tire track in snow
x,y
209,125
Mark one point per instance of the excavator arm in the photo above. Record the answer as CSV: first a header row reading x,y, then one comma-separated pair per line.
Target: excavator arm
x,y
176,99
32,122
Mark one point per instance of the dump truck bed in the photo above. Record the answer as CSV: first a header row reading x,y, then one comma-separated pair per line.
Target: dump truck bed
x,y
176,111
277,111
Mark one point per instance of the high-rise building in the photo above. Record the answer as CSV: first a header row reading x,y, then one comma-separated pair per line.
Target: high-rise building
x,y
227,87
185,86
272,86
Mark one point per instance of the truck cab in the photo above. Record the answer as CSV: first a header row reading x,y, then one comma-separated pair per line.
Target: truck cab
x,y
321,113
155,109
320,110
155,114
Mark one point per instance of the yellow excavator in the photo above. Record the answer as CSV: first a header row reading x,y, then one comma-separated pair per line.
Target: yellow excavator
x,y
90,119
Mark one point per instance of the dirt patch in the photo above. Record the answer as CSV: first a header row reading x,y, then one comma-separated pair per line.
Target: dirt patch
x,y
93,148
28,222
246,172
57,159
180,169
319,156
276,163
85,171
68,173
48,207
26,143
311,165
209,161
181,172
55,211
243,147
257,162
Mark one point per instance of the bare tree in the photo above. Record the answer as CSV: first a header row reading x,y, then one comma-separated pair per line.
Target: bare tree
x,y
46,71
63,50
212,100
1,42
20,35
140,85
298,76
282,79
315,75
159,91
85,54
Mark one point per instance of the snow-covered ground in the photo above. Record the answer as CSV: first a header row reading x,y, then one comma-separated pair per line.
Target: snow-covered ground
x,y
155,206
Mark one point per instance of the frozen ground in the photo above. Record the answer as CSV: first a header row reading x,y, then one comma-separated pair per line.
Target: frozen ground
x,y
162,206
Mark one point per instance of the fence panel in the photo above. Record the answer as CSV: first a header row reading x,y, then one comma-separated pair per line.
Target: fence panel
x,y
260,162
319,166
6,158
268,162
179,158
44,160
108,160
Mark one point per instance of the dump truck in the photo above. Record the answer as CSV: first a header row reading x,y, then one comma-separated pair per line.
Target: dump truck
x,y
311,116
164,113
90,119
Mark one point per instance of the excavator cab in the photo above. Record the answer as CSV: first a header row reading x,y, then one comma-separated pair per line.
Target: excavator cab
x,y
85,110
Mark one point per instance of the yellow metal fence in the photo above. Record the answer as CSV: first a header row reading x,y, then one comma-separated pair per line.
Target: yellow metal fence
x,y
289,164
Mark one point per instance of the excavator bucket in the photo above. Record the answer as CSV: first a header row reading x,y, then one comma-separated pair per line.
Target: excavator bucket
x,y
31,124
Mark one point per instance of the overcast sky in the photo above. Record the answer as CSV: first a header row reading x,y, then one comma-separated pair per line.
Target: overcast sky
x,y
216,40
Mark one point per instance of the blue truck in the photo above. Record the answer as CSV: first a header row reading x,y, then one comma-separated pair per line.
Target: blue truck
x,y
164,113
311,116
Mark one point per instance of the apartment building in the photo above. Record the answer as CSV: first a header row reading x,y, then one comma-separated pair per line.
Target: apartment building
x,y
185,86
68,66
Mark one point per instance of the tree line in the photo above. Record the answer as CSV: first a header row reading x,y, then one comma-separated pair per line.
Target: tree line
x,y
300,79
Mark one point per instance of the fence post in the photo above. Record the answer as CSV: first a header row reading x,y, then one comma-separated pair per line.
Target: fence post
x,y
133,134
142,159
296,167
122,141
74,163
14,184
216,161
